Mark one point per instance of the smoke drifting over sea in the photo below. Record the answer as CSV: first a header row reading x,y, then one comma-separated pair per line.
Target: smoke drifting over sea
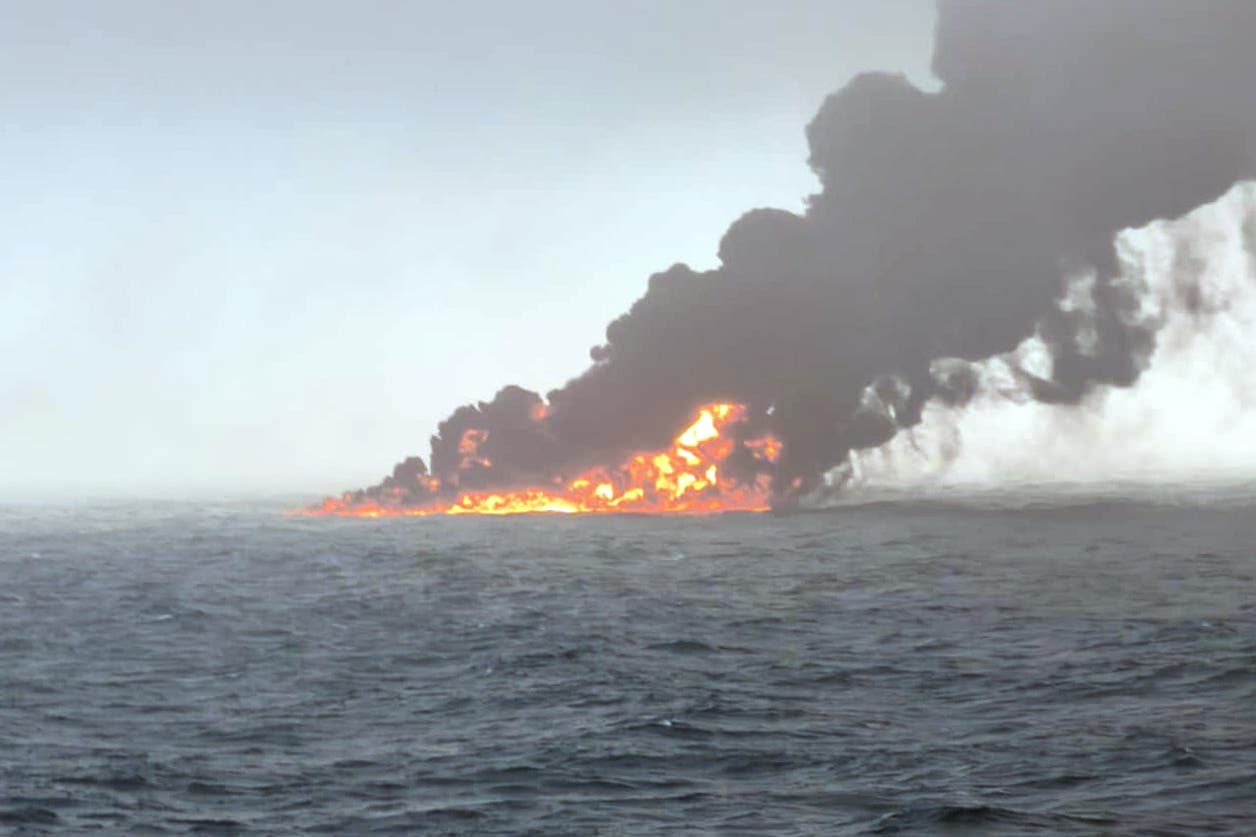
x,y
1191,414
947,230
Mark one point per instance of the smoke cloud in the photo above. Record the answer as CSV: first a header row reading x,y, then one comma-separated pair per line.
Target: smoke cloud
x,y
945,227
1190,416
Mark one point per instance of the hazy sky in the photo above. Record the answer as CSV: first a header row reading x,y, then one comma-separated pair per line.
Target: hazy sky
x,y
268,245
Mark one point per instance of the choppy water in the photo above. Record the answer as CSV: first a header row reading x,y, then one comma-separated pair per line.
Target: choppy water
x,y
894,668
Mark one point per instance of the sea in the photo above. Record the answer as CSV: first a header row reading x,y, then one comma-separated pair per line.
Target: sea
x,y
1002,663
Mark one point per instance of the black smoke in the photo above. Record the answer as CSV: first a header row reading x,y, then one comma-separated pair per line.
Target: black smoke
x,y
943,228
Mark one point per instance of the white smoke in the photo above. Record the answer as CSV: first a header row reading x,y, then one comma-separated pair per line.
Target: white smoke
x,y
1191,415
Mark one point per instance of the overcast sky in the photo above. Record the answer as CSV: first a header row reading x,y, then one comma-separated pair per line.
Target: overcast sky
x,y
266,246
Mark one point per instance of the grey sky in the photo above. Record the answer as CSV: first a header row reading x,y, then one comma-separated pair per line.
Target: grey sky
x,y
269,245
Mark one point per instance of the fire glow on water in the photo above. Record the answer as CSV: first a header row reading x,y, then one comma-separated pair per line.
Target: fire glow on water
x,y
689,477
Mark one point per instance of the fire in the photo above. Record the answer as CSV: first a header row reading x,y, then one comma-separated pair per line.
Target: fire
x,y
469,448
688,477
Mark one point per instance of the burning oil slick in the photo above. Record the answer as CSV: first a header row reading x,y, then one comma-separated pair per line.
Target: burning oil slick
x,y
945,227
711,466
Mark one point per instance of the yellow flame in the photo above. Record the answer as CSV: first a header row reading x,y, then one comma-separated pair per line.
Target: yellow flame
x,y
684,479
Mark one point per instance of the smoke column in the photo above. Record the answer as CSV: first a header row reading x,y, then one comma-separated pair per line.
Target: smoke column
x,y
946,226
1190,415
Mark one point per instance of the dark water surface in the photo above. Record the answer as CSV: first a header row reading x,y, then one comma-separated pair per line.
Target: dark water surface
x,y
1064,668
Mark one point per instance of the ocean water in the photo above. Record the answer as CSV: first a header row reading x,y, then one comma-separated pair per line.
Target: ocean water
x,y
997,665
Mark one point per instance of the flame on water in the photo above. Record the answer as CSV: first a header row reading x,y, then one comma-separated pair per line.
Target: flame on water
x,y
688,477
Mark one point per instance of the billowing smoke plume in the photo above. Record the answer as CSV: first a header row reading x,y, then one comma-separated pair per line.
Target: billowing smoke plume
x,y
1190,416
944,228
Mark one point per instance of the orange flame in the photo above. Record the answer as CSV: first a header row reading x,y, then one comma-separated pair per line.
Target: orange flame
x,y
688,477
469,448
